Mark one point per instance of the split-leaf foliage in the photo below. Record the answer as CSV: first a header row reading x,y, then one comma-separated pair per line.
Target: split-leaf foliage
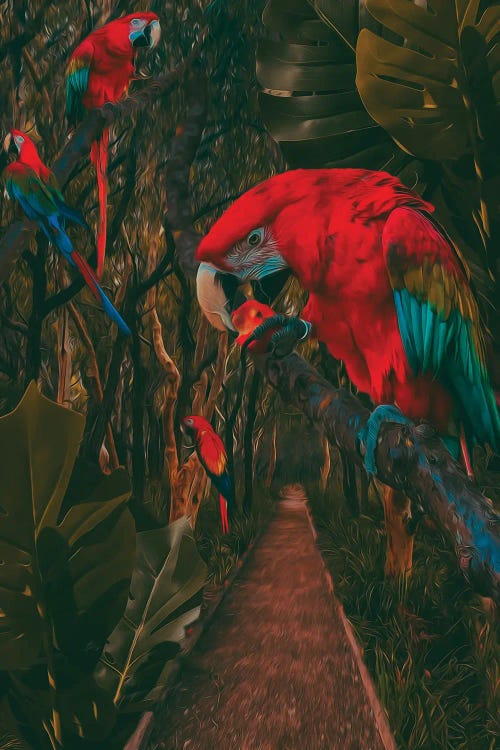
x,y
72,650
407,87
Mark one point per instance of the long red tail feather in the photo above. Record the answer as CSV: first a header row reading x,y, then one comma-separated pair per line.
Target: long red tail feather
x,y
87,273
223,514
99,158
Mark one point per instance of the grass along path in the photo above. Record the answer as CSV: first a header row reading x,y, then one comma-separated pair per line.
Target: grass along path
x,y
275,671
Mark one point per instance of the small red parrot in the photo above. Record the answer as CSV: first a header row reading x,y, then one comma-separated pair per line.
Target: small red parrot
x,y
388,292
99,71
252,314
213,458
34,186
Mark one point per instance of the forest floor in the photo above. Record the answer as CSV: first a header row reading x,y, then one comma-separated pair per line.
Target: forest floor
x,y
275,670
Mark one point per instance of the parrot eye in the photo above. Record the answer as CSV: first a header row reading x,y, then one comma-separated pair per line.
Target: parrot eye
x,y
255,237
19,139
136,22
189,422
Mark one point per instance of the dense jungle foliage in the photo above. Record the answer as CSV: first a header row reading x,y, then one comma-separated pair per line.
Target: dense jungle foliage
x,y
100,524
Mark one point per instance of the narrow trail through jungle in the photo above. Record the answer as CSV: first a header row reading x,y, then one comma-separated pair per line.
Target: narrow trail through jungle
x,y
275,670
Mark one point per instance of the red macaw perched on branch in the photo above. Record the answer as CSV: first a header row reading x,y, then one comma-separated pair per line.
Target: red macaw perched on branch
x,y
388,292
213,458
100,70
34,186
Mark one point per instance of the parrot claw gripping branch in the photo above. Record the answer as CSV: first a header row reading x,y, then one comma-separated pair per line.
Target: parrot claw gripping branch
x,y
389,295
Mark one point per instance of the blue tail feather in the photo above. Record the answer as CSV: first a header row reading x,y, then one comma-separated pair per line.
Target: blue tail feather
x,y
113,313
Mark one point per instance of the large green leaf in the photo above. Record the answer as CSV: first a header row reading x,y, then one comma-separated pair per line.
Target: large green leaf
x,y
165,594
39,442
418,90
436,88
311,105
63,583
38,445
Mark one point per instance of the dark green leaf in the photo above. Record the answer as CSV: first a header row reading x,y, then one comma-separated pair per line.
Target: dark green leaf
x,y
310,103
164,599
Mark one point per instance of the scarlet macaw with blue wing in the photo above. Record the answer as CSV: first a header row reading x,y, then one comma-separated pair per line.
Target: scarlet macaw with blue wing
x,y
34,187
388,291
99,71
213,458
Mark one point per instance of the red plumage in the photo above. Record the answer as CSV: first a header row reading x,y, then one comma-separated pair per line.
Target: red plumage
x,y
361,244
99,71
246,319
213,457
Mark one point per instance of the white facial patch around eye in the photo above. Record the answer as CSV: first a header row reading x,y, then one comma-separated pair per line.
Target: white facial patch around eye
x,y
250,263
19,140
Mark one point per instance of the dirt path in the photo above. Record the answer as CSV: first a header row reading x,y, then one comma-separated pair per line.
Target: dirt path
x,y
275,670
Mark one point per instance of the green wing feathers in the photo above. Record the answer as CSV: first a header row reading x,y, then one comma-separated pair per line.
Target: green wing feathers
x,y
77,81
439,319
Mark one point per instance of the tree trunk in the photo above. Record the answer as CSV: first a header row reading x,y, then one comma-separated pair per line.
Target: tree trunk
x,y
271,467
64,360
327,462
399,543
248,441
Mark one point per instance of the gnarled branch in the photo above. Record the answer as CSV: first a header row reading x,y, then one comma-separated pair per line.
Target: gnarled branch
x,y
409,458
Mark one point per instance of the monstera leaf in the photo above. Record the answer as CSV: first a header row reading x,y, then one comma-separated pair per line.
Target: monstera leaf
x,y
165,596
63,583
418,89
436,90
310,103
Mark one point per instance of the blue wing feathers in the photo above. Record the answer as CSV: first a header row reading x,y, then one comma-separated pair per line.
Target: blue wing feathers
x,y
76,85
403,316
224,486
113,313
445,347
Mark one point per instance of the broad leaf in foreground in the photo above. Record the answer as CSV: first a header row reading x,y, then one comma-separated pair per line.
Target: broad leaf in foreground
x,y
165,596
63,584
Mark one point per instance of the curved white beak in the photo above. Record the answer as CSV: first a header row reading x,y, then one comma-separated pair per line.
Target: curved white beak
x,y
213,301
155,33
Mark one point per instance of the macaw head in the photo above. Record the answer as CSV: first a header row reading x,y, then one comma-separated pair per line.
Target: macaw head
x,y
192,426
131,32
254,240
143,29
22,146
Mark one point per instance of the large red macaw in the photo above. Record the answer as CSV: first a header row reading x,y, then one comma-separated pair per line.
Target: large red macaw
x,y
388,292
213,458
34,186
99,71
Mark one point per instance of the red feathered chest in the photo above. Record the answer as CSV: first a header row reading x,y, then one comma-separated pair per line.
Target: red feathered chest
x,y
109,77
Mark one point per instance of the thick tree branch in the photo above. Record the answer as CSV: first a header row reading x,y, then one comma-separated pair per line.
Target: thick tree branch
x,y
409,458
183,151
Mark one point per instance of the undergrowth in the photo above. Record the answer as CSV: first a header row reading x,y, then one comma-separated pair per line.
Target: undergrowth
x,y
431,648
221,552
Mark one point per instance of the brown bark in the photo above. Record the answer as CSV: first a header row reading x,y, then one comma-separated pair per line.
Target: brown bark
x,y
187,481
327,462
110,460
272,455
63,350
399,543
